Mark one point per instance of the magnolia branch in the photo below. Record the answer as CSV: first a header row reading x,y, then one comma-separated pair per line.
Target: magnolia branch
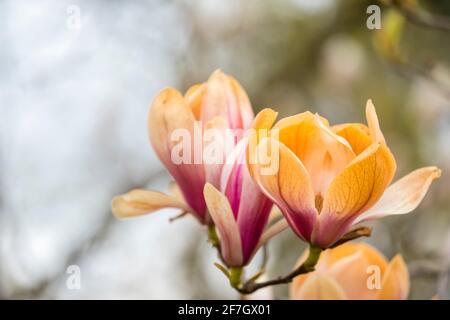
x,y
251,286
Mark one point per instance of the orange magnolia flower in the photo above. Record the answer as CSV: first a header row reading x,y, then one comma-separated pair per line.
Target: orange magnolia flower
x,y
220,103
329,178
353,271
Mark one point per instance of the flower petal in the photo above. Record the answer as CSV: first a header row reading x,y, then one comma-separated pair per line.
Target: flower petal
x,y
404,195
356,134
250,206
357,188
319,287
231,177
265,119
372,121
288,184
351,272
245,108
371,254
220,211
348,265
395,283
225,97
169,113
217,143
138,202
261,126
323,153
254,210
194,99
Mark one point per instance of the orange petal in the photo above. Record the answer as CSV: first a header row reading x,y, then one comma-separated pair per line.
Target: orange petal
x,y
265,119
261,126
348,264
168,112
220,211
357,188
194,99
372,255
404,195
138,202
323,153
286,181
352,271
395,284
356,134
319,287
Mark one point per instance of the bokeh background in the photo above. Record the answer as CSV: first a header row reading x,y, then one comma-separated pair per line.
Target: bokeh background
x,y
76,80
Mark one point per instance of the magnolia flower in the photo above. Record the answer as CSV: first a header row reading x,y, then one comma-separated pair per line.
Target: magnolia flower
x,y
330,178
240,211
353,271
220,103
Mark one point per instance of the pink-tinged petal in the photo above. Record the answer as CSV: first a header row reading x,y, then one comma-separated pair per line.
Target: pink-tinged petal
x,y
402,196
231,178
357,188
224,97
253,214
288,184
170,114
249,205
227,228
138,202
395,283
245,107
216,144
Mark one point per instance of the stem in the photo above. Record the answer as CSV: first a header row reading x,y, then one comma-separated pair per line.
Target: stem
x,y
212,236
251,286
235,277
307,266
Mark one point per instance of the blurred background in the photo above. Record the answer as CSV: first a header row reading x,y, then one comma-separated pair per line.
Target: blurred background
x,y
76,80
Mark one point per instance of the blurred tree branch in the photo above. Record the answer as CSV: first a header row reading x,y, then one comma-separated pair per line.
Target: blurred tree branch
x,y
387,44
417,15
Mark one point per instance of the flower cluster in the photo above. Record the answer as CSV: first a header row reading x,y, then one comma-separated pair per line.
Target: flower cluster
x,y
232,168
